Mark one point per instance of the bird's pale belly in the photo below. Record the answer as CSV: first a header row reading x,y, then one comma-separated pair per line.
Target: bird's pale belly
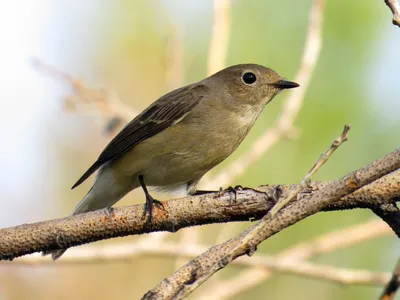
x,y
182,161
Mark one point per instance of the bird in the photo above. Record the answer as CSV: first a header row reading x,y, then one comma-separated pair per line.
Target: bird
x,y
175,141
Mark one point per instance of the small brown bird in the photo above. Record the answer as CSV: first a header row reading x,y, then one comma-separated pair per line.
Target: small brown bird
x,y
181,136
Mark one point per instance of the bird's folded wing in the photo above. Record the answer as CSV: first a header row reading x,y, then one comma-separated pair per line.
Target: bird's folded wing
x,y
162,114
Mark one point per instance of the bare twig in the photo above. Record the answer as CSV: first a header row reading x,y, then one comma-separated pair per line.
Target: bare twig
x,y
395,8
284,125
393,285
192,275
327,243
307,179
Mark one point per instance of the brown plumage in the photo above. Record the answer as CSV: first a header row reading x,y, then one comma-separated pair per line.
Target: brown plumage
x,y
181,136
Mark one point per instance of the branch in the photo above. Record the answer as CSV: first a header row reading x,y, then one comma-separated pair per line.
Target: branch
x,y
89,100
174,66
395,8
128,251
196,272
220,36
326,243
107,105
393,285
211,208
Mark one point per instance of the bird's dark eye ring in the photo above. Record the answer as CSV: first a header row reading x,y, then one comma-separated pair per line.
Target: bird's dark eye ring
x,y
249,78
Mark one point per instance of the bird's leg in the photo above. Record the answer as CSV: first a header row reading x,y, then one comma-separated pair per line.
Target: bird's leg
x,y
148,207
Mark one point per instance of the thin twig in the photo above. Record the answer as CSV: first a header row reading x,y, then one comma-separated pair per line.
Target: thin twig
x,y
395,8
393,285
284,125
307,179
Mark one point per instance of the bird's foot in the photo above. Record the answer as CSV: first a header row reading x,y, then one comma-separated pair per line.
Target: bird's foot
x,y
109,212
274,194
148,207
233,190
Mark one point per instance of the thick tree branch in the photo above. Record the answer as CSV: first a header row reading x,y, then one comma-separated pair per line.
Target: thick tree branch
x,y
206,209
197,271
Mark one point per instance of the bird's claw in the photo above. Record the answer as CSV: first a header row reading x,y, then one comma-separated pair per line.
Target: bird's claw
x,y
148,207
233,190
109,211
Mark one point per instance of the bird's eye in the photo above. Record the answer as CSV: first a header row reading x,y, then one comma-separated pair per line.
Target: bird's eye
x,y
249,78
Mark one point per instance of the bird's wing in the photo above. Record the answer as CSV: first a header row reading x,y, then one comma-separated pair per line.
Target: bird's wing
x,y
165,112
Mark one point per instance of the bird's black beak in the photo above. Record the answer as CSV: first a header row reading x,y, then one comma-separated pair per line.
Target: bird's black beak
x,y
285,84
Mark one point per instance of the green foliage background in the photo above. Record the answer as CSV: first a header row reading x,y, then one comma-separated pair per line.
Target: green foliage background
x,y
121,44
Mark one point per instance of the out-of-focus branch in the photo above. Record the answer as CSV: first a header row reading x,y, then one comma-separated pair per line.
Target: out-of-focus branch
x,y
393,285
206,209
128,251
218,48
395,8
174,70
105,104
327,243
87,100
192,275
284,125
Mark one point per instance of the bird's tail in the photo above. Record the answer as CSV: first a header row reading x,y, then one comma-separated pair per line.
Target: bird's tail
x,y
85,205
107,190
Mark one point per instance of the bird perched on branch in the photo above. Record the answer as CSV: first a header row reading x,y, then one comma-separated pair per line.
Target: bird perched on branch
x,y
180,137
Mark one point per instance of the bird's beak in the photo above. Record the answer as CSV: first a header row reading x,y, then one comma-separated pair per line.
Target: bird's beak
x,y
285,84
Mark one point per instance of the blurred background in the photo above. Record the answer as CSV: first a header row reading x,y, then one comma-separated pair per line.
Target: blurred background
x,y
125,47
